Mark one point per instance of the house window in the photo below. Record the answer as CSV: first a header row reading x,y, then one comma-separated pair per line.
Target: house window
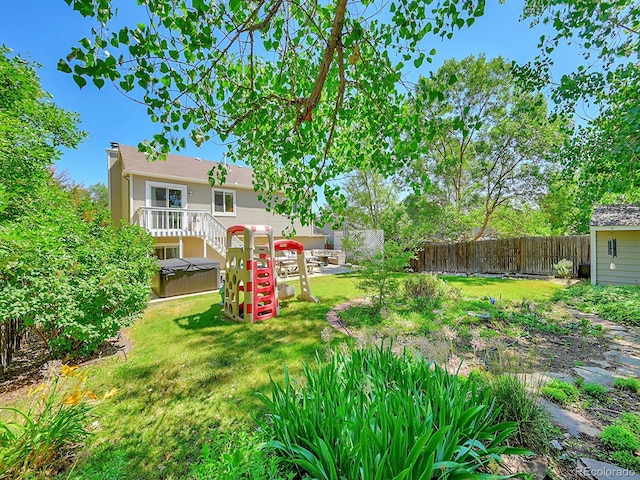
x,y
165,195
224,203
164,252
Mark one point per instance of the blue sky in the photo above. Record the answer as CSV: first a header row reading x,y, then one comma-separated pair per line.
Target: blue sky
x,y
45,30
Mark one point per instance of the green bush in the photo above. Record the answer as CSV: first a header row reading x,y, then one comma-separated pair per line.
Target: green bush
x,y
564,268
594,390
623,439
379,275
69,275
372,414
560,392
424,285
57,419
617,437
630,384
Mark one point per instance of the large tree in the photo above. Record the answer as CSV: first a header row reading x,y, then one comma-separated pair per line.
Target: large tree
x,y
32,131
487,142
303,91
604,153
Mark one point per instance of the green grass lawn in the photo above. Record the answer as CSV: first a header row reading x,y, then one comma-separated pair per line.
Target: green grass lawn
x,y
505,288
192,376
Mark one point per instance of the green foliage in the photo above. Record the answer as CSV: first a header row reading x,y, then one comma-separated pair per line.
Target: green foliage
x,y
358,317
534,430
239,455
564,268
64,271
75,279
603,153
617,437
464,129
594,390
304,93
429,286
630,384
626,459
616,303
623,439
560,392
379,275
32,130
57,419
373,414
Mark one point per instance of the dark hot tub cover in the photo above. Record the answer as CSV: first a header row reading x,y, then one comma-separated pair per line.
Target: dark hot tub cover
x,y
194,264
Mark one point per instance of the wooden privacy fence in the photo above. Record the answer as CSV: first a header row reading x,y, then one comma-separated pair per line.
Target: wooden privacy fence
x,y
524,255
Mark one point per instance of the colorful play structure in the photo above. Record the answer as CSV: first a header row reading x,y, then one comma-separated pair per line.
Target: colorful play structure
x,y
251,289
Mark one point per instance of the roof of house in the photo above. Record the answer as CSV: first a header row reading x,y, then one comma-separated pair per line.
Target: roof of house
x,y
189,168
615,215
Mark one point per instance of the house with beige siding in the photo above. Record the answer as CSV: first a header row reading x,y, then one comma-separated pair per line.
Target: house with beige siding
x,y
615,245
188,217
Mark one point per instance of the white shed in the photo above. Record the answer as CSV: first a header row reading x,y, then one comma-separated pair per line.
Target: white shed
x,y
615,245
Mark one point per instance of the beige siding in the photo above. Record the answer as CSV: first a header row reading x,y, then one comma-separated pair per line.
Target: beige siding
x,y
251,211
191,247
116,185
627,262
199,199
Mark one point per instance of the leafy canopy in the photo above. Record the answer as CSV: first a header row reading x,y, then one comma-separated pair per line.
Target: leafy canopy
x,y
301,91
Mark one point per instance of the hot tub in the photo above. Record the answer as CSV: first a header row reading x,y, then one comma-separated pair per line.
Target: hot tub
x,y
180,276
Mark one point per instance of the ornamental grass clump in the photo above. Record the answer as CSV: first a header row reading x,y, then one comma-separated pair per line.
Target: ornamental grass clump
x,y
57,419
371,414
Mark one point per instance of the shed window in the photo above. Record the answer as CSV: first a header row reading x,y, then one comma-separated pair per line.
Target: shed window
x,y
612,247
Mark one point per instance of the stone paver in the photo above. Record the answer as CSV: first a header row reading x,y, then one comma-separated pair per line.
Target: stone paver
x,y
573,423
591,469
596,375
601,363
627,371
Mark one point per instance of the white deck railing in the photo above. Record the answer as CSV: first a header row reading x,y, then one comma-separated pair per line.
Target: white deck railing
x,y
169,222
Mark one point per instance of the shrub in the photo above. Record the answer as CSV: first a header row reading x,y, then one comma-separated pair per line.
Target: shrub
x,y
564,268
630,384
428,286
378,277
617,437
57,419
594,390
534,430
69,275
396,416
560,392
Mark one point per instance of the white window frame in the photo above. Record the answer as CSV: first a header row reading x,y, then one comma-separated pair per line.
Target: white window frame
x,y
174,186
213,202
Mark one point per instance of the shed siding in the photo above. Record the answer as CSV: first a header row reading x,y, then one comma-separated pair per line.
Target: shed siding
x,y
627,262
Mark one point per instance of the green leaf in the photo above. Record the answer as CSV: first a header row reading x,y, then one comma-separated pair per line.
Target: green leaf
x,y
80,81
